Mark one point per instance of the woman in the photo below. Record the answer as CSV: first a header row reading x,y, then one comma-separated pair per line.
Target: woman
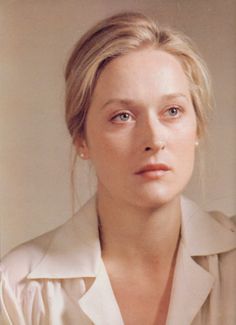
x,y
138,252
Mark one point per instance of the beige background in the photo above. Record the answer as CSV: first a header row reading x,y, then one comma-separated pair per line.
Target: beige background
x,y
35,39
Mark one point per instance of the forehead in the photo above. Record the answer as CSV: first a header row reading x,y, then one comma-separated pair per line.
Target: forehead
x,y
148,72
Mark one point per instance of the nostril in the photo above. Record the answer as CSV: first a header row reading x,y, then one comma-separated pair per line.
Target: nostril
x,y
160,145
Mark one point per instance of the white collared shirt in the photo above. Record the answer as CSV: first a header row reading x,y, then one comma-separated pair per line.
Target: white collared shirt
x,y
60,278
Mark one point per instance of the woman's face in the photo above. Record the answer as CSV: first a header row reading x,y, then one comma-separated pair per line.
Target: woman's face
x,y
141,129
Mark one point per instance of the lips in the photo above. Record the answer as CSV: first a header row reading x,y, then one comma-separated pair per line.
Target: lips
x,y
153,167
153,171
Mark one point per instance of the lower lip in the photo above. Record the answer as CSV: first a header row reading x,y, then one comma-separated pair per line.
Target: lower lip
x,y
153,174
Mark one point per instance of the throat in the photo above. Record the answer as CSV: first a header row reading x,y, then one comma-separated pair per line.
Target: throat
x,y
139,250
131,234
149,245
142,292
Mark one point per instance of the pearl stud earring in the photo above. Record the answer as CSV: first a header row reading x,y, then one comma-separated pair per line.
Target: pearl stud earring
x,y
81,154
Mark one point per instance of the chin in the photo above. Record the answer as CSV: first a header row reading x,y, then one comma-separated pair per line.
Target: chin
x,y
156,199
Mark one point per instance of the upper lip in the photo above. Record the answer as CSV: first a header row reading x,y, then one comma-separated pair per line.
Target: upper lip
x,y
153,167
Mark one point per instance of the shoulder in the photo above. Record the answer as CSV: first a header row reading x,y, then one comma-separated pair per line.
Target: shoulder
x,y
226,260
206,233
224,220
19,262
52,248
221,266
18,293
227,234
228,223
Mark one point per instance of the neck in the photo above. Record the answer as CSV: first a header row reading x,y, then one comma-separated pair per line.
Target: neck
x,y
141,235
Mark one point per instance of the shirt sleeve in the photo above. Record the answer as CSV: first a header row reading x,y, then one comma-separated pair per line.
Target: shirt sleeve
x,y
10,309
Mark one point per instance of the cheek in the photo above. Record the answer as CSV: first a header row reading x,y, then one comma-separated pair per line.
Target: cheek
x,y
186,155
106,151
112,145
184,144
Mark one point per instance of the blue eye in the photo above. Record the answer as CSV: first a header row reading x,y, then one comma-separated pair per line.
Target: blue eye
x,y
173,111
124,117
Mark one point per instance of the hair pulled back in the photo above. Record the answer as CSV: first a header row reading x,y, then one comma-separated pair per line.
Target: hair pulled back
x,y
117,36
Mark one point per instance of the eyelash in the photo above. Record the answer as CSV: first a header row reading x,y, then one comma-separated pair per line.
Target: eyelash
x,y
119,114
178,112
178,109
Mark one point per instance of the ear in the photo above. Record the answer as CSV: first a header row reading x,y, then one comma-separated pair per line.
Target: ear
x,y
82,148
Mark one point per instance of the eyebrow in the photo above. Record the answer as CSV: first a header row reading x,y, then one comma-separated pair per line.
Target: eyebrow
x,y
124,102
130,102
175,95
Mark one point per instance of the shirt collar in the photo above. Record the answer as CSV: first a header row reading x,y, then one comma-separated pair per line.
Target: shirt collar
x,y
205,233
75,249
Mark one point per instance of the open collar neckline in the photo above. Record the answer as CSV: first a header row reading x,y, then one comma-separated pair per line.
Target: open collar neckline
x,y
75,250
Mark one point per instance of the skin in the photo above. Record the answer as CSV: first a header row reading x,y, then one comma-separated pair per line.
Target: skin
x,y
141,100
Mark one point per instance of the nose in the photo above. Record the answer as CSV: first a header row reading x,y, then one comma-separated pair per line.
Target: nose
x,y
154,135
160,145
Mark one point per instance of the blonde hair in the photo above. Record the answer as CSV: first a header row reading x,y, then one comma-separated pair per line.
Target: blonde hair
x,y
119,35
